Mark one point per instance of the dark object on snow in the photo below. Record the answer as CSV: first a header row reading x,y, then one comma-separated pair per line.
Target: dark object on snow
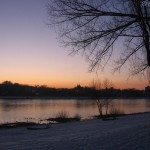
x,y
109,118
39,127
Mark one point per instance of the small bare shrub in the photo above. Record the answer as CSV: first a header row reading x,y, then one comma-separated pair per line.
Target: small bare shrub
x,y
116,112
62,114
64,117
77,117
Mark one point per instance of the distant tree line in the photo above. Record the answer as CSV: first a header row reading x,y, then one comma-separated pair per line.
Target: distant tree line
x,y
9,89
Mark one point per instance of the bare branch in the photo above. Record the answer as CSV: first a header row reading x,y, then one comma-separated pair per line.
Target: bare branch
x,y
93,27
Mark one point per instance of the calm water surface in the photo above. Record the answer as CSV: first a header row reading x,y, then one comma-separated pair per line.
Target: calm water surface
x,y
36,109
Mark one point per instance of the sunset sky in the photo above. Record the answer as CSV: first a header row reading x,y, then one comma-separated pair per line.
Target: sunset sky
x,y
31,54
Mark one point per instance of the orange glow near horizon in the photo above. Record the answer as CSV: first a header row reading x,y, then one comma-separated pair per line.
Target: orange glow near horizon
x,y
30,53
71,85
72,81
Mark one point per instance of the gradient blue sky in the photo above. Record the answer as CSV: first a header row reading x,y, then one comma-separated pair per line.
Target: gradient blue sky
x,y
31,54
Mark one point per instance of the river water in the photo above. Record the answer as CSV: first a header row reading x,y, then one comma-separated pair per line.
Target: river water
x,y
35,109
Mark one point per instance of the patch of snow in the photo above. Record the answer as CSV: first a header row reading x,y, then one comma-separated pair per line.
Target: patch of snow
x,y
130,132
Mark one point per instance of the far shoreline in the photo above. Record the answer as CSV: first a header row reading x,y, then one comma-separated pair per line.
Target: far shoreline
x,y
54,98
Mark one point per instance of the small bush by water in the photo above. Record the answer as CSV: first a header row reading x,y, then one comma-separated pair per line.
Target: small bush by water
x,y
64,117
116,112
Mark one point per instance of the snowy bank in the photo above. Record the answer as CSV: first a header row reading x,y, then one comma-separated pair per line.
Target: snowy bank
x,y
129,132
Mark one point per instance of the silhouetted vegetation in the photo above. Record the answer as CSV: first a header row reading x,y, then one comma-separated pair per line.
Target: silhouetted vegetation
x,y
17,124
105,101
9,90
147,91
116,112
63,117
95,27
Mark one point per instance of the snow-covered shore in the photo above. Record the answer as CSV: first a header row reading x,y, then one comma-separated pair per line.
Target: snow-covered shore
x,y
126,133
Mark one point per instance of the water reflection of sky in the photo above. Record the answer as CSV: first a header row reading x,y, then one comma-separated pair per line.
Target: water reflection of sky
x,y
18,110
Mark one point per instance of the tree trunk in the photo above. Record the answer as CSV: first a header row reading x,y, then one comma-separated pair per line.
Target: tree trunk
x,y
107,108
99,108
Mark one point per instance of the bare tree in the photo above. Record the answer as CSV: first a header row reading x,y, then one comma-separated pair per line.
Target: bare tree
x,y
102,101
148,76
107,85
97,85
94,26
